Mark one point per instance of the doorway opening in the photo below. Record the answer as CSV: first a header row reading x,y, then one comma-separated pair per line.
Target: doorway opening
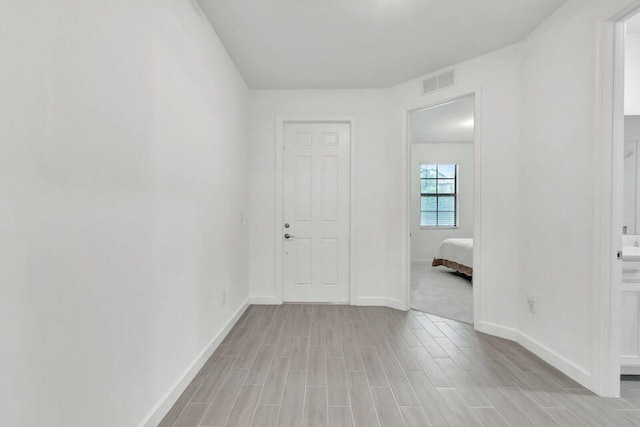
x,y
618,361
442,218
623,305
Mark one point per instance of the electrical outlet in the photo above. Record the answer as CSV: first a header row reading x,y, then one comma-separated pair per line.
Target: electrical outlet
x,y
531,303
224,297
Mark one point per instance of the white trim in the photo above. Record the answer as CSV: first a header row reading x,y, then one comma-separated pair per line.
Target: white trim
x,y
279,190
607,351
558,361
496,330
265,300
477,206
380,302
405,226
428,101
165,403
436,227
352,209
279,180
555,359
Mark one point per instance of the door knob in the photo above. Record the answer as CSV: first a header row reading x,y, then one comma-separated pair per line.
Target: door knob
x,y
288,236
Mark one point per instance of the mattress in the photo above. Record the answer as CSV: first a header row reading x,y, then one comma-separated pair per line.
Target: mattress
x,y
456,254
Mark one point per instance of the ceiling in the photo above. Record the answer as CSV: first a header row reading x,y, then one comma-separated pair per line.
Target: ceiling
x,y
313,44
450,122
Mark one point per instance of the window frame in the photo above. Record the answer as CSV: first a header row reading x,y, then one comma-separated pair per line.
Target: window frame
x,y
455,195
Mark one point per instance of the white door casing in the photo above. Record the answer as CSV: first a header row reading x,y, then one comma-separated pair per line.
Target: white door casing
x,y
420,103
630,185
316,207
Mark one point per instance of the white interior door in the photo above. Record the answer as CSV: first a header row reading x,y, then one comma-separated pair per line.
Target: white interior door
x,y
316,212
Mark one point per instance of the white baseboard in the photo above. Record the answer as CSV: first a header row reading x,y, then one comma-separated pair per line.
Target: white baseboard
x,y
165,403
382,302
566,366
497,330
265,300
558,361
371,301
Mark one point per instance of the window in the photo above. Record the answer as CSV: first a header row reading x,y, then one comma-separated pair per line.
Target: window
x,y
438,195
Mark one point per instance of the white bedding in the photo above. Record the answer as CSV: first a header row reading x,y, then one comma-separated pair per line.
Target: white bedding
x,y
457,250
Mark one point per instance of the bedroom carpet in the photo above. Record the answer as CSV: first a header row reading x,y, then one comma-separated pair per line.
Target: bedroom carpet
x,y
440,291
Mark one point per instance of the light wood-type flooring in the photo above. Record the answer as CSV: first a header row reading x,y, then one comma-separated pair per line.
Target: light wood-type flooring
x,y
323,365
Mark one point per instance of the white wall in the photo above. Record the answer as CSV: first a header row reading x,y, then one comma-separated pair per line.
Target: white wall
x,y
632,74
560,175
370,246
496,79
122,178
379,185
426,241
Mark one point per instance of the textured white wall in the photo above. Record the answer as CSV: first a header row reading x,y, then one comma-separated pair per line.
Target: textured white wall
x,y
123,175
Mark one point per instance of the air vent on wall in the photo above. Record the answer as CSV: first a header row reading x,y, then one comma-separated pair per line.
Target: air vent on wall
x,y
438,82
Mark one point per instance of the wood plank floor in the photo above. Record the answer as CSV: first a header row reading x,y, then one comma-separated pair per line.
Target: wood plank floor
x,y
320,365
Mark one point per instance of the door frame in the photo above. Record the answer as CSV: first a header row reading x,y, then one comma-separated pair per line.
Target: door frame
x,y
433,101
607,293
281,120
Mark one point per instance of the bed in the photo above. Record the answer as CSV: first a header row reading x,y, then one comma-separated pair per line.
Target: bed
x,y
456,254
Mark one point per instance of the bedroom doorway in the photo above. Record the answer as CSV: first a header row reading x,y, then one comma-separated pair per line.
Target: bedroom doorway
x,y
442,216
